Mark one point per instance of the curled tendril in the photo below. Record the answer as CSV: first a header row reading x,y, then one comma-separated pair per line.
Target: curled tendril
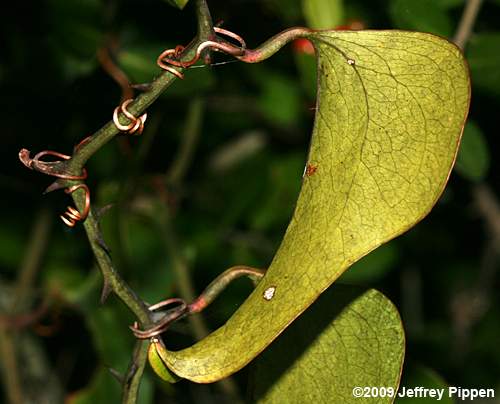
x,y
169,58
199,304
163,60
45,167
230,34
73,215
135,126
169,317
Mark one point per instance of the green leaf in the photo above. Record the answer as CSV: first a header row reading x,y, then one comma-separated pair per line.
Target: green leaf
x,y
347,338
12,244
391,109
323,14
155,360
289,11
421,15
484,61
447,4
473,158
281,187
306,66
112,346
180,4
77,30
136,61
280,99
102,389
71,284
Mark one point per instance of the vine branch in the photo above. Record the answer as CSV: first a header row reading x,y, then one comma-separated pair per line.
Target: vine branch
x,y
70,171
112,279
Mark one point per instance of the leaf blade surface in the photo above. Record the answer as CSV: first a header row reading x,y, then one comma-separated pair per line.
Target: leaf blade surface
x,y
391,110
348,338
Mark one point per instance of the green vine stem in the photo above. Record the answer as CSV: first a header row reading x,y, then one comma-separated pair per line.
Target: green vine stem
x,y
273,45
112,280
136,367
220,283
199,304
74,166
138,363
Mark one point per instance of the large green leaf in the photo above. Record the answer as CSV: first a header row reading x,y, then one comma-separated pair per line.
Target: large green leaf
x,y
348,338
391,109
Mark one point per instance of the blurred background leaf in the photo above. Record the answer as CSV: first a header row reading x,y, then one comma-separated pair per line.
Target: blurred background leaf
x,y
177,3
77,30
420,376
484,61
424,15
373,266
323,14
473,160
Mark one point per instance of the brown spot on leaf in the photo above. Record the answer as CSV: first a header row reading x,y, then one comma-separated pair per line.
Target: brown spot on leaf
x,y
311,169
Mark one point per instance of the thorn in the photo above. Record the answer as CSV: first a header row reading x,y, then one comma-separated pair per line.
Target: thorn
x,y
116,375
106,291
131,373
56,168
141,87
57,184
101,211
101,243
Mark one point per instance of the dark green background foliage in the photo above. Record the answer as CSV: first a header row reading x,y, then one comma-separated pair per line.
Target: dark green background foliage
x,y
235,197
